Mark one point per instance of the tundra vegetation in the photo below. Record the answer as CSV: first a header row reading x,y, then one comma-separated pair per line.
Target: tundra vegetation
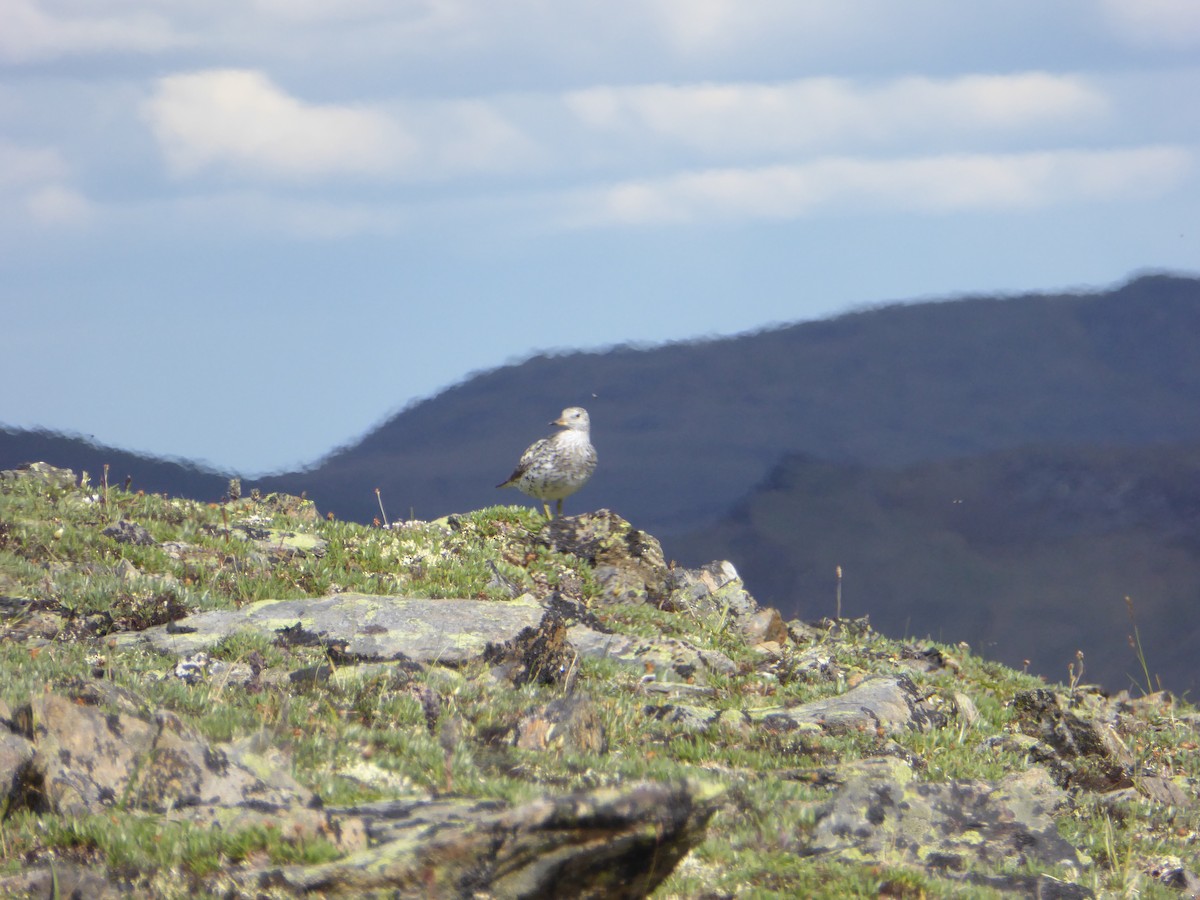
x,y
713,693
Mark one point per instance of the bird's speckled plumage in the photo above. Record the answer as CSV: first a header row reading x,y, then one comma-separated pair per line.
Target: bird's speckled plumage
x,y
557,466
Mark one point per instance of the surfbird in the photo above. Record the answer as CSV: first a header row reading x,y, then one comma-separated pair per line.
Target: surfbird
x,y
557,466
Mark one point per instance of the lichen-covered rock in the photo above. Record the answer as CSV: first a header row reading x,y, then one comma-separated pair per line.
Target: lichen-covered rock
x,y
665,657
885,704
126,532
613,843
359,626
881,814
715,587
92,750
51,476
628,563
1081,751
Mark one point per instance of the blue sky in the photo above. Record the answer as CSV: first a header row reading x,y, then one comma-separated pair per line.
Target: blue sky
x,y
246,231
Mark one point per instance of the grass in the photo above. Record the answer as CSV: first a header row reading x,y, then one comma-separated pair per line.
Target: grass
x,y
365,734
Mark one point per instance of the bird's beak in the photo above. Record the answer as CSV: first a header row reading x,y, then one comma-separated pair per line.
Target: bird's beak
x,y
559,421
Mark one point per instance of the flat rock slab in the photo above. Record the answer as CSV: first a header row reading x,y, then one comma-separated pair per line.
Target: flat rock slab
x,y
882,815
360,626
885,703
379,628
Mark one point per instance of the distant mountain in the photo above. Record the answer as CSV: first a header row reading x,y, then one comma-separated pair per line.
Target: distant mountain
x,y
694,438
1025,554
153,475
684,431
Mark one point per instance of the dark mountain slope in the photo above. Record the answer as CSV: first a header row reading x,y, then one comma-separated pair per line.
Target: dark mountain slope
x,y
155,476
1026,554
685,430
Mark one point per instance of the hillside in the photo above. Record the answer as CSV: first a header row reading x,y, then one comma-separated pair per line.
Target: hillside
x,y
145,473
1028,555
694,439
253,699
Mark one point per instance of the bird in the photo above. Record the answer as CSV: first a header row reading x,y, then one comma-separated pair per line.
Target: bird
x,y
557,466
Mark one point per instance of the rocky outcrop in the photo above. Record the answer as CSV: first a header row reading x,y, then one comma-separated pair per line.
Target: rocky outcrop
x,y
96,748
882,813
579,676
884,704
616,843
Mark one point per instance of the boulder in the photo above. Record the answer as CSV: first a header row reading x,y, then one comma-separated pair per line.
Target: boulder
x,y
884,704
882,814
612,843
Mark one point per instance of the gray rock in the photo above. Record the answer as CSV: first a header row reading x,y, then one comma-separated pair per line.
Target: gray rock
x,y
16,754
126,532
715,587
63,879
886,704
667,657
618,843
358,626
89,757
880,814
51,476
628,563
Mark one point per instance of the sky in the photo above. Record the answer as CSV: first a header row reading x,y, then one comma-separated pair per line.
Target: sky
x,y
246,232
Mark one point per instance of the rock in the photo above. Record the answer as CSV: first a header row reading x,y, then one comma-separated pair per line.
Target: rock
x,y
628,563
618,843
16,754
62,879
51,476
1082,752
568,723
882,815
715,587
358,626
126,532
539,655
88,757
667,657
764,626
885,704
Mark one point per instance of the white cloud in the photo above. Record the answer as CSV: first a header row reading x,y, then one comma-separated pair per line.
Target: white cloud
x,y
256,213
57,204
1163,22
821,113
703,27
29,32
33,188
20,165
237,120
937,184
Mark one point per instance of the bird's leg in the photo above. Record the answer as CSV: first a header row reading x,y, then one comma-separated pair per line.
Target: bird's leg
x,y
560,507
546,509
